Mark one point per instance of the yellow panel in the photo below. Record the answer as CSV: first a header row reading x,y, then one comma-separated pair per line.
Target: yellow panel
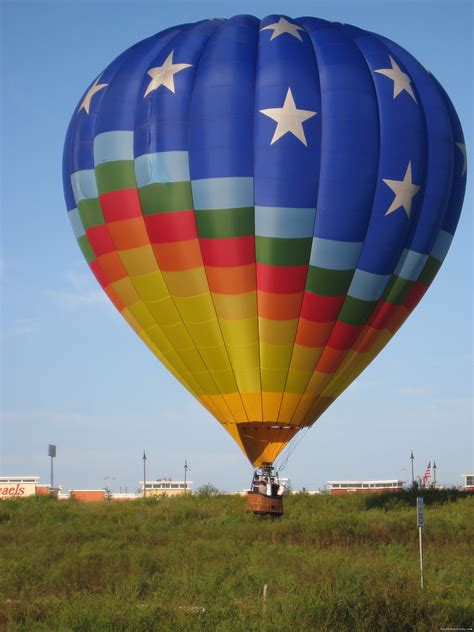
x,y
305,358
271,405
248,380
193,360
277,332
303,408
225,381
245,357
151,287
239,332
288,406
297,381
125,291
318,383
143,316
215,358
234,402
253,404
186,282
236,306
205,334
273,381
164,312
196,309
209,405
275,356
131,320
208,383
139,261
178,336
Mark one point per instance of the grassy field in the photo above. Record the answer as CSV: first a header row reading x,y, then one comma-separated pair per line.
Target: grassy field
x,y
200,563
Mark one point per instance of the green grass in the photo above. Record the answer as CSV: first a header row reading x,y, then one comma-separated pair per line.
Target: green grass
x,y
197,563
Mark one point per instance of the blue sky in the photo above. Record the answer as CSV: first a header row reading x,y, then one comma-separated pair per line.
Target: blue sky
x,y
75,374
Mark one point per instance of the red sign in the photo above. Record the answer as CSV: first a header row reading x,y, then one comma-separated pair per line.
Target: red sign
x,y
9,491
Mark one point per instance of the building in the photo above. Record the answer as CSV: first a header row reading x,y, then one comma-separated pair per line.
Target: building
x,y
88,495
468,485
364,487
18,486
165,487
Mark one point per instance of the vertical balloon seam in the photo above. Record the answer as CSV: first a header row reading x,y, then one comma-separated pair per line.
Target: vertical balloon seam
x,y
361,364
171,295
232,415
254,212
303,421
289,431
336,377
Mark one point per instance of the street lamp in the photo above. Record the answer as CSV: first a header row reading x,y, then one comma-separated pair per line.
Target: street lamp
x,y
109,478
144,474
52,454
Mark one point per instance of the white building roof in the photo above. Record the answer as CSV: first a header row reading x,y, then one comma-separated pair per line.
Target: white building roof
x,y
19,479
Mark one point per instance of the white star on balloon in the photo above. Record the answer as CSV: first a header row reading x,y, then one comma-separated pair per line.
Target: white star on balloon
x,y
462,147
404,191
283,26
164,75
401,81
289,119
95,87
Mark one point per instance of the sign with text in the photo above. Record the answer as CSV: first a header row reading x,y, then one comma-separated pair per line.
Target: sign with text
x,y
420,512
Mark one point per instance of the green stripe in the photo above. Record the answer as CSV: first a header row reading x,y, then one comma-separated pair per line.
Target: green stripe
x,y
328,282
165,197
276,251
86,248
115,176
356,312
429,271
397,290
232,222
90,212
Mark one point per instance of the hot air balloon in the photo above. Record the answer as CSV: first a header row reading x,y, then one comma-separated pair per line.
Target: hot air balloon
x,y
265,202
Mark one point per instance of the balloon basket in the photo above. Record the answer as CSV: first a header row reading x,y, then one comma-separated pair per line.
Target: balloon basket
x,y
264,505
265,497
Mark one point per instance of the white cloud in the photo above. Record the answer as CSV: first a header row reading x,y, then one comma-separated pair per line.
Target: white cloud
x,y
81,290
21,327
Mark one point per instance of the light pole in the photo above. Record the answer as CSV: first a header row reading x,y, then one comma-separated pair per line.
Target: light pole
x,y
434,474
144,474
412,458
52,454
186,468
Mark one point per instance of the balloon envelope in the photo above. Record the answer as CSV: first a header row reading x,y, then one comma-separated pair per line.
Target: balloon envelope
x,y
265,202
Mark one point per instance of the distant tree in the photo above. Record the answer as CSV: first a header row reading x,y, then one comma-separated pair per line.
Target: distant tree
x,y
208,489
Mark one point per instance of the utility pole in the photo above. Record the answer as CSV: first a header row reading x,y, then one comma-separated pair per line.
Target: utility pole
x,y
52,454
186,468
144,474
412,458
434,474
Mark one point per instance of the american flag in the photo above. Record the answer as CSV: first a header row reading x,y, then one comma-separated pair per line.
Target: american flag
x,y
427,474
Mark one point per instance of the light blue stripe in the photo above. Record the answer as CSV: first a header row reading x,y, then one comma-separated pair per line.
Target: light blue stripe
x,y
410,265
272,221
441,247
335,255
220,193
76,223
84,185
111,146
368,286
164,166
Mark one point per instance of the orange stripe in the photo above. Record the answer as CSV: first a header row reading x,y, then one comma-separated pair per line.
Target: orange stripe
x,y
312,334
279,306
179,255
237,280
128,233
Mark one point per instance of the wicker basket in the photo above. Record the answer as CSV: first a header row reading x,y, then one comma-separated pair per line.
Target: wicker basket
x,y
262,505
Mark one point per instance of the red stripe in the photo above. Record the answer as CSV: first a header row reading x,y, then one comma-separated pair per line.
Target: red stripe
x,y
99,273
100,240
118,205
164,228
388,316
415,295
321,309
343,335
281,279
228,252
